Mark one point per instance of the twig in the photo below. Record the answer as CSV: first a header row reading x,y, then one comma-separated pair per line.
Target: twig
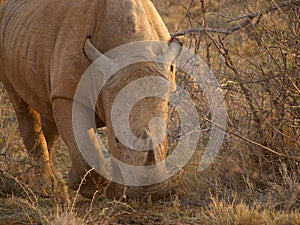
x,y
246,19
251,141
218,14
79,188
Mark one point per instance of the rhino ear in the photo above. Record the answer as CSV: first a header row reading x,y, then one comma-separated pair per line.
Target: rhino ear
x,y
91,52
172,52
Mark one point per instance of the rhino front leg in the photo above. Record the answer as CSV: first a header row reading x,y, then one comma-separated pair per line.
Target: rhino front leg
x,y
51,135
62,109
42,181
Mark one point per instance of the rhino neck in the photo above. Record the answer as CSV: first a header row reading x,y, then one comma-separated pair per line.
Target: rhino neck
x,y
129,21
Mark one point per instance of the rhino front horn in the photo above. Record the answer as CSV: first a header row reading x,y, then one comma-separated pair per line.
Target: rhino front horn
x,y
92,52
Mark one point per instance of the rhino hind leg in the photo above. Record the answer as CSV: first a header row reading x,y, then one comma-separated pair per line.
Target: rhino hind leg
x,y
41,177
62,110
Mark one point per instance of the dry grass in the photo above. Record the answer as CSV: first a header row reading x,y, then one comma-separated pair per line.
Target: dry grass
x,y
258,69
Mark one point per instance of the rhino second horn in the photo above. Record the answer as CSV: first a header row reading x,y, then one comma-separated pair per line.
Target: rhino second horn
x,y
172,52
92,52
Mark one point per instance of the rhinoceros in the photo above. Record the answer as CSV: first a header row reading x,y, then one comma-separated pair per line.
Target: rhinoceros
x,y
45,52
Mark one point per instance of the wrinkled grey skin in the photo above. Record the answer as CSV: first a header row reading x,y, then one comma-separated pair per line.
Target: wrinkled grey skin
x,y
42,61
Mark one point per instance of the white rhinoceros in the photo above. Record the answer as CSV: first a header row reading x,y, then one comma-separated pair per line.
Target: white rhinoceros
x,y
42,61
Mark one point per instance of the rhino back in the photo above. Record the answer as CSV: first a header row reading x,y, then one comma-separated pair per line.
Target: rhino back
x,y
30,41
41,41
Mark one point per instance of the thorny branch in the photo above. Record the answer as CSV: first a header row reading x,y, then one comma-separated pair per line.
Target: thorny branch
x,y
246,20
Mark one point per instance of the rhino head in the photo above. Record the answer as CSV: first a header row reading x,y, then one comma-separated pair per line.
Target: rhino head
x,y
136,125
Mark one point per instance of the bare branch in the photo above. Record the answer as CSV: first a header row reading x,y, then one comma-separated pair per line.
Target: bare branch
x,y
247,19
200,30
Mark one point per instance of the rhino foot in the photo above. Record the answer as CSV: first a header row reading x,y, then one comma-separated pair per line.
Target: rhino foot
x,y
115,191
89,186
42,181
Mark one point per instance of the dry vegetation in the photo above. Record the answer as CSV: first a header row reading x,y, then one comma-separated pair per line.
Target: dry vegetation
x,y
256,177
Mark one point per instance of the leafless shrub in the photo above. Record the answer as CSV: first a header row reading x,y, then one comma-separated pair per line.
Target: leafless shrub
x,y
254,52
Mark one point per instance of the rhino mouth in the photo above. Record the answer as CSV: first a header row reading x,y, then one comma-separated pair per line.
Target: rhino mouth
x,y
156,191
159,190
